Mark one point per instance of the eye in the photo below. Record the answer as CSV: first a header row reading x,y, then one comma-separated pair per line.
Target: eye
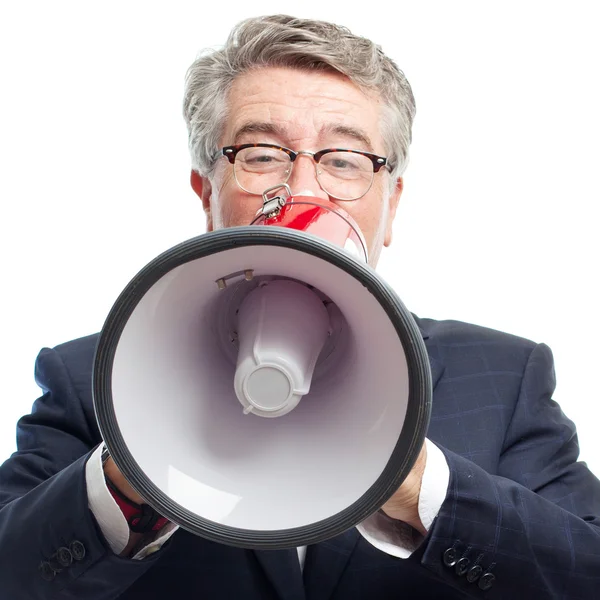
x,y
346,164
339,162
261,158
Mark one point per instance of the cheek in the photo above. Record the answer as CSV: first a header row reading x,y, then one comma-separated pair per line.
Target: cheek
x,y
370,215
230,206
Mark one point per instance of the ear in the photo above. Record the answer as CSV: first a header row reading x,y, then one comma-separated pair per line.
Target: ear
x,y
393,201
201,185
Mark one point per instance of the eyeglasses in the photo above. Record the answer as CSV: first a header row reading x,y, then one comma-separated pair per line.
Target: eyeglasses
x,y
343,174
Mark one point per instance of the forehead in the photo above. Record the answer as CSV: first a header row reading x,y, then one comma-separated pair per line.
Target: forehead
x,y
303,107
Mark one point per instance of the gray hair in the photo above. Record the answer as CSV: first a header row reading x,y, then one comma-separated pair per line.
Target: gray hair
x,y
284,41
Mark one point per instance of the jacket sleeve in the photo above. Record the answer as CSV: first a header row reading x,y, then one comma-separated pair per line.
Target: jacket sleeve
x,y
50,544
533,529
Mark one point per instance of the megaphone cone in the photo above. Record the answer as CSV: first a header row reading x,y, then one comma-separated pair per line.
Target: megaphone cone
x,y
240,324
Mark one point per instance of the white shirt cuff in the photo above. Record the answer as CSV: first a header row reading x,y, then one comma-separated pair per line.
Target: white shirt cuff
x,y
400,539
110,519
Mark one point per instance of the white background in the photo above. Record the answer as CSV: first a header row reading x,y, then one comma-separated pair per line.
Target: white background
x,y
498,223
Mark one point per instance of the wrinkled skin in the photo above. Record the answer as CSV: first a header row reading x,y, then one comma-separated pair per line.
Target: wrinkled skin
x,y
301,109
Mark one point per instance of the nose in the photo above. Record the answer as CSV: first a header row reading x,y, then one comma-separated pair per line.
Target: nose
x,y
303,180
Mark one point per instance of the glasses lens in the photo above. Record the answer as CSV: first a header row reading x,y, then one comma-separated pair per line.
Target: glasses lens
x,y
257,169
345,175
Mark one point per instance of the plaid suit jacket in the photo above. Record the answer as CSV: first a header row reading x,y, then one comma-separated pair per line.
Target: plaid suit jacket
x,y
521,518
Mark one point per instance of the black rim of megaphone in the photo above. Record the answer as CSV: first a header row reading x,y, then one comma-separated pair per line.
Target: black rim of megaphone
x,y
409,442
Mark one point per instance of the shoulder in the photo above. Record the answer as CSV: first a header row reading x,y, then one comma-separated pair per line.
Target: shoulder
x,y
71,361
451,332
469,347
81,349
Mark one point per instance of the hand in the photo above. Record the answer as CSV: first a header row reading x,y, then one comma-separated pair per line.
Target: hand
x,y
112,472
116,477
404,504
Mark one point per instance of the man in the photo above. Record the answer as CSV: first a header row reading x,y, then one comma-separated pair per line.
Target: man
x,y
496,506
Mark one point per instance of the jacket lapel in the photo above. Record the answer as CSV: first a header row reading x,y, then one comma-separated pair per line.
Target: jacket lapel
x,y
282,568
437,370
437,367
325,563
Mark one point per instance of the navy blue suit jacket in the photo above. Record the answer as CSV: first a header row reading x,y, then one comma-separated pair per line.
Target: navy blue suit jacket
x,y
519,505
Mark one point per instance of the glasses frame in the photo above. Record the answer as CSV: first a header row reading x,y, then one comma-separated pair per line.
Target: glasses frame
x,y
230,152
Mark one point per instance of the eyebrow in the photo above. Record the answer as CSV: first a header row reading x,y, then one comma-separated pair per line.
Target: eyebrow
x,y
258,127
281,132
348,131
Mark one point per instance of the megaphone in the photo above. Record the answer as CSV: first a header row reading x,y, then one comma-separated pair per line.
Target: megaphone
x,y
261,386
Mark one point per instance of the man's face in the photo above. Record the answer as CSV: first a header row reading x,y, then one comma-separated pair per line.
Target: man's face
x,y
301,111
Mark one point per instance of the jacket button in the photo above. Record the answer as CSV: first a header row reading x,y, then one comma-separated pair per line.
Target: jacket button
x,y
54,564
486,581
46,571
450,557
462,566
77,550
64,557
474,574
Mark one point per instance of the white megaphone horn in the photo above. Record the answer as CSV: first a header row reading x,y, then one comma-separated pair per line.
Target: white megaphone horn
x,y
262,386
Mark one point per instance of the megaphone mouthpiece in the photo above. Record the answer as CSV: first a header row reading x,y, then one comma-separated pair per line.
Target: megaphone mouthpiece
x,y
314,216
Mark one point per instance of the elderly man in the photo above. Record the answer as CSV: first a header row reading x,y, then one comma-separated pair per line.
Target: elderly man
x,y
496,505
